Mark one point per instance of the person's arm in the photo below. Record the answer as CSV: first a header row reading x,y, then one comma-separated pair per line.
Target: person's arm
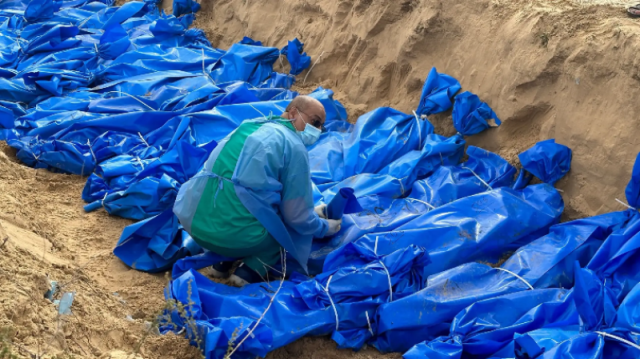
x,y
297,196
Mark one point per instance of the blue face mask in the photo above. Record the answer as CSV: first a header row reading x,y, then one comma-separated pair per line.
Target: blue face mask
x,y
310,135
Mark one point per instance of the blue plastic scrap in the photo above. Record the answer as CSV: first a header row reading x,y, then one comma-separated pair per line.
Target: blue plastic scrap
x,y
547,160
53,289
65,303
472,116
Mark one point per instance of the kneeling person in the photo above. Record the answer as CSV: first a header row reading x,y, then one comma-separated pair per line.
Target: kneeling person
x,y
258,195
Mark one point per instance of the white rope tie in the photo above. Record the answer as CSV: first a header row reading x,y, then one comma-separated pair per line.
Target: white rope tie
x,y
423,202
267,274
143,140
517,276
279,107
250,332
375,247
389,279
96,46
375,251
335,310
624,204
203,71
103,198
314,65
139,162
268,266
630,343
478,177
419,130
369,323
401,186
260,275
133,97
260,112
281,64
92,154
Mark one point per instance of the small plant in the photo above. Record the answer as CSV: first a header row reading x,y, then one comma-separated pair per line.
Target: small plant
x,y
5,352
544,39
232,341
164,319
63,356
5,344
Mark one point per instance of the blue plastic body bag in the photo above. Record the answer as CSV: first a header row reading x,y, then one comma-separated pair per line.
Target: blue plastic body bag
x,y
472,116
479,227
410,320
437,92
547,160
486,327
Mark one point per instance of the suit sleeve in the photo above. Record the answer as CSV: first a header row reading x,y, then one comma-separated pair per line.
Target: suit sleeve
x,y
297,194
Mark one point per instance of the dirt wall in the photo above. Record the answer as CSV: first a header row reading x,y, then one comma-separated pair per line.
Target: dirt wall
x,y
548,70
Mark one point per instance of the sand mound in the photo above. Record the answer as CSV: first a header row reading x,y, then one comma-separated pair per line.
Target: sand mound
x,y
549,69
50,238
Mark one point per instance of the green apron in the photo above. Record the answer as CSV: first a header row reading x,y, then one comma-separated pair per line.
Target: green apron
x,y
222,224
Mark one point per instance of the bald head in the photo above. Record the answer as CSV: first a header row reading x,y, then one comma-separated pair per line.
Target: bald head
x,y
303,110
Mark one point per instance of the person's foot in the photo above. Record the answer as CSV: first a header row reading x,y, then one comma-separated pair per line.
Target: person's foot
x,y
245,275
634,11
220,270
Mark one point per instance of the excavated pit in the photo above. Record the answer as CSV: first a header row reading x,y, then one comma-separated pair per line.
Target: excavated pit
x,y
550,69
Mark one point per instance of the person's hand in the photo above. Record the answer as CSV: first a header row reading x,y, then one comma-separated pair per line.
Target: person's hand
x,y
334,227
321,211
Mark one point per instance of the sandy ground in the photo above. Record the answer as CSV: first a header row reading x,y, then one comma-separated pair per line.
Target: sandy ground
x,y
562,69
